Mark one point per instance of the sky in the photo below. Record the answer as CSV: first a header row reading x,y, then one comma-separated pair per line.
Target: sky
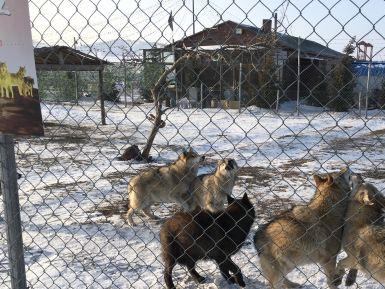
x,y
329,22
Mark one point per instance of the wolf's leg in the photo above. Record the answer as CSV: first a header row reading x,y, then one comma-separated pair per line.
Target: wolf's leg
x,y
147,211
348,262
197,278
223,267
291,284
20,90
11,92
351,277
330,270
129,219
273,274
169,265
229,265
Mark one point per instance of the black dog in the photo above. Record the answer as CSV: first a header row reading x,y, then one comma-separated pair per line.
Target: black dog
x,y
189,237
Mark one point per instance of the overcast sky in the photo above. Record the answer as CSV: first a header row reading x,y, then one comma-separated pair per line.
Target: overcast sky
x,y
329,22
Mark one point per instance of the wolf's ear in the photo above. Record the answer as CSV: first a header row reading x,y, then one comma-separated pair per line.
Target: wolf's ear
x,y
245,198
345,169
364,198
230,199
184,153
318,180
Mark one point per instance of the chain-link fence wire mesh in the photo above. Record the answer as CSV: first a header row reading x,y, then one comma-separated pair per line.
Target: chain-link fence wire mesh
x,y
295,94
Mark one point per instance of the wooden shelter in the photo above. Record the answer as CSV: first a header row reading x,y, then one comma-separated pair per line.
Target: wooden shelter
x,y
64,58
240,54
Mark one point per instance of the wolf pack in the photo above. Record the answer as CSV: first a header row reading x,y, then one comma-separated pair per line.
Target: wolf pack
x,y
23,84
345,213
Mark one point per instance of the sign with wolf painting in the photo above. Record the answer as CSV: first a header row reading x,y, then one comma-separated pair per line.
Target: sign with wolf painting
x,y
20,112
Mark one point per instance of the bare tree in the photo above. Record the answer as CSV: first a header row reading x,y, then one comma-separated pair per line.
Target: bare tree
x,y
158,99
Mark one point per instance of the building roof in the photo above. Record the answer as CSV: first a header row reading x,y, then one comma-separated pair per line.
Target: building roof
x,y
307,47
377,68
67,59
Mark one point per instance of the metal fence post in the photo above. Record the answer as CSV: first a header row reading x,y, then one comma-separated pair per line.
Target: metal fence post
x,y
240,87
368,86
132,93
176,94
277,103
8,181
359,102
101,95
298,74
76,88
201,95
125,82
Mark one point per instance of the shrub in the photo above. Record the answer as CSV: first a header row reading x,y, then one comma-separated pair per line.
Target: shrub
x,y
342,81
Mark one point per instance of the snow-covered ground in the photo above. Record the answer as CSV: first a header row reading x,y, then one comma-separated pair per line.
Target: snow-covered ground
x,y
73,190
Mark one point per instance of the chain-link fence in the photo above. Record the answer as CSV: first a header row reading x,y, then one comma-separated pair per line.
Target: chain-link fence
x,y
270,92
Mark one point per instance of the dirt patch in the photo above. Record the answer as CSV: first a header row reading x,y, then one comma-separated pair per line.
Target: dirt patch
x,y
113,209
257,175
374,174
378,132
295,163
120,208
65,186
268,207
63,134
118,177
368,140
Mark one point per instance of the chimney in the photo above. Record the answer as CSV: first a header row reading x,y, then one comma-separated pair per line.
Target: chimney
x,y
266,25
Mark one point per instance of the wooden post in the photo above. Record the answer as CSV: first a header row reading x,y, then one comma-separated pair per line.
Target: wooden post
x,y
240,87
298,73
8,182
102,108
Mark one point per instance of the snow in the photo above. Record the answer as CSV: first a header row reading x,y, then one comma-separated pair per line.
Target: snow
x,y
73,191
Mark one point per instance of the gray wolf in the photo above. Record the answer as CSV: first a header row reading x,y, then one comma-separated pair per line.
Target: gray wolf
x,y
164,184
211,190
364,235
8,80
189,237
306,234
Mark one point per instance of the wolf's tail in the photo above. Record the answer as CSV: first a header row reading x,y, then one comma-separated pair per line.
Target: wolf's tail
x,y
259,238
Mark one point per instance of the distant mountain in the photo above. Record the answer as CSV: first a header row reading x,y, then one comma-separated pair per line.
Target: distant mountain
x,y
113,50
